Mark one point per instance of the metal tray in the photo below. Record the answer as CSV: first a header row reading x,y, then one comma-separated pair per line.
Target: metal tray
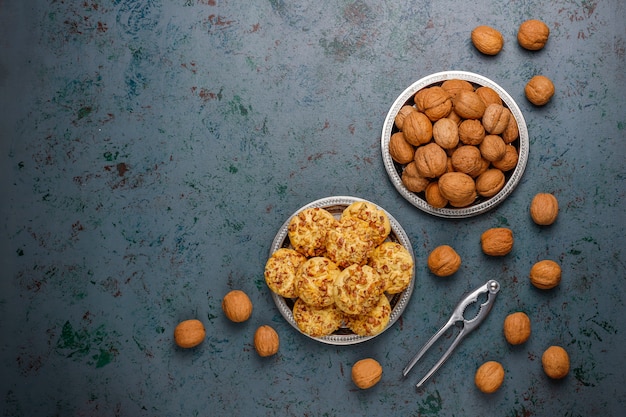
x,y
481,205
344,336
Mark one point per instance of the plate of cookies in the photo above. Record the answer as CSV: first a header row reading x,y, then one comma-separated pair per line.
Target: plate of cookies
x,y
455,144
341,270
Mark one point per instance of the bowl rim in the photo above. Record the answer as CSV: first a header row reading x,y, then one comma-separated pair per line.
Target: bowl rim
x,y
416,200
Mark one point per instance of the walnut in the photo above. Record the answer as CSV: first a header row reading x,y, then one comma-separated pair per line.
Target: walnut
x,y
458,188
488,95
497,241
467,159
471,132
544,209
443,261
511,133
487,40
454,117
430,160
468,105
455,85
402,113
489,377
533,34
434,102
400,150
434,197
412,180
516,328
509,161
545,274
555,362
417,128
266,341
539,90
189,333
492,148
496,118
366,373
237,306
490,182
446,133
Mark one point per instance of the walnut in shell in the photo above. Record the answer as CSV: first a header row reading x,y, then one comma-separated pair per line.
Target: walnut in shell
x,y
489,377
544,209
490,182
430,160
434,102
458,188
455,85
412,180
496,118
539,90
517,328
555,362
417,128
488,95
508,161
446,133
533,34
433,195
443,261
471,132
402,113
497,241
487,40
400,150
468,105
545,274
366,373
467,159
492,148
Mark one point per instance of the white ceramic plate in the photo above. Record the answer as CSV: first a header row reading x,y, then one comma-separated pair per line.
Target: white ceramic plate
x,y
344,336
481,205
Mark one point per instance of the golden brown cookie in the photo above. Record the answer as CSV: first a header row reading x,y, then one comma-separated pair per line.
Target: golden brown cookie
x,y
372,322
307,230
315,321
280,271
358,289
375,217
314,281
394,264
349,242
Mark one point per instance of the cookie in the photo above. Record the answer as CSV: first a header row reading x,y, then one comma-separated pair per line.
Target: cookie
x,y
372,322
349,242
307,230
375,217
314,281
358,289
280,271
394,264
315,321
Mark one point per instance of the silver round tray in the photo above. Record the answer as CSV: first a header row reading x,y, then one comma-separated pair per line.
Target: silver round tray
x,y
394,170
344,336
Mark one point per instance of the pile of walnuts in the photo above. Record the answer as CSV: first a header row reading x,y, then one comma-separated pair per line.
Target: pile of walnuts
x,y
455,142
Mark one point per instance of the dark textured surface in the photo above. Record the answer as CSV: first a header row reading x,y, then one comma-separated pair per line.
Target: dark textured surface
x,y
151,150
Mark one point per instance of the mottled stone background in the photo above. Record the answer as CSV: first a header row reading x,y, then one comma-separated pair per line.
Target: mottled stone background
x,y
150,150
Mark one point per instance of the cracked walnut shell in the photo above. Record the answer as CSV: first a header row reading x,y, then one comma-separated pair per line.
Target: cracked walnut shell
x,y
544,209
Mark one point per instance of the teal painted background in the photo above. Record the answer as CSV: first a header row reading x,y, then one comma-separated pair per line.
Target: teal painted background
x,y
150,151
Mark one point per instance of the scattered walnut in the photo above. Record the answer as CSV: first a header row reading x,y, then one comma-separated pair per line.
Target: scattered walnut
x,y
496,118
517,328
490,182
400,150
431,160
266,341
366,373
189,333
446,133
458,188
539,90
545,274
443,261
487,40
492,148
497,241
533,34
237,306
544,209
489,377
555,362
